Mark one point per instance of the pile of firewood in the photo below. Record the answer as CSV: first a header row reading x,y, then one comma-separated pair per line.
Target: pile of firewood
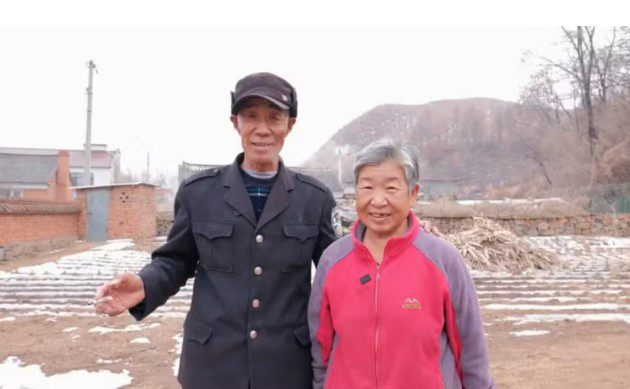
x,y
488,246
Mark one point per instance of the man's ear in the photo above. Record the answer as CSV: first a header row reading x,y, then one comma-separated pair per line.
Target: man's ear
x,y
234,120
290,125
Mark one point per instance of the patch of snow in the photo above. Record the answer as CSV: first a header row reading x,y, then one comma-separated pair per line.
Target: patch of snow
x,y
129,328
44,268
529,332
16,376
572,317
114,245
8,318
107,361
534,307
70,329
562,299
140,340
551,292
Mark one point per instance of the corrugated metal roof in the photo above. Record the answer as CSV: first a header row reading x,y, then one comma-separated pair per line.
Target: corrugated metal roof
x,y
27,169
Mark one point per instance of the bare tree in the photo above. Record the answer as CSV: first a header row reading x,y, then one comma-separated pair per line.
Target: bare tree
x,y
591,70
580,67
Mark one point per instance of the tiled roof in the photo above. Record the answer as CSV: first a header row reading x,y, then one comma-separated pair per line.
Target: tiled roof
x,y
31,207
27,169
100,158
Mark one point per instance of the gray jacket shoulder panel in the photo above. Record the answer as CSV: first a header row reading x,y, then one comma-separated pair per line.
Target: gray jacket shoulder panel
x,y
336,251
469,324
312,181
440,251
208,173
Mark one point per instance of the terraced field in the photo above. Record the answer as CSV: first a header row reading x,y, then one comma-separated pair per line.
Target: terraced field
x,y
566,328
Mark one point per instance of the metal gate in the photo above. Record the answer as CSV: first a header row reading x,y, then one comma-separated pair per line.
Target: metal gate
x,y
98,210
623,204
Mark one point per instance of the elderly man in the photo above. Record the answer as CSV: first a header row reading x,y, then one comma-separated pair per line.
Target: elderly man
x,y
247,232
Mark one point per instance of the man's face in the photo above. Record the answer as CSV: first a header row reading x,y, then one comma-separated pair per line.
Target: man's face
x,y
262,127
383,200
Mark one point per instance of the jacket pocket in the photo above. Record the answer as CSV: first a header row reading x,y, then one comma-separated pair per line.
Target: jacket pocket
x,y
197,330
300,243
302,335
214,245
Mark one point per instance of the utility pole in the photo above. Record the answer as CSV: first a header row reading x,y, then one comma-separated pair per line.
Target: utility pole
x,y
146,179
87,163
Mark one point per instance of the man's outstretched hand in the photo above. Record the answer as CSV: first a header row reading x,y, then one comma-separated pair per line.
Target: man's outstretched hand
x,y
120,294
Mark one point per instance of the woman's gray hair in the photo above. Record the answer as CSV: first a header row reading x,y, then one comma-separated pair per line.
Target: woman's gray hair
x,y
387,149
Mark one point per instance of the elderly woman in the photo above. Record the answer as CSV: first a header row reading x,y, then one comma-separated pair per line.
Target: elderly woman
x,y
391,305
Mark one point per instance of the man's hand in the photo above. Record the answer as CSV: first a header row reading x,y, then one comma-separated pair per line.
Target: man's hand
x,y
120,294
428,227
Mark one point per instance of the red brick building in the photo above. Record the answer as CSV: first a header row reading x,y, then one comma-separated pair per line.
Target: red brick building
x,y
117,211
43,176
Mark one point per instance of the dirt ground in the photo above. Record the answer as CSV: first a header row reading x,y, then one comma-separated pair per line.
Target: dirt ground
x,y
591,354
44,257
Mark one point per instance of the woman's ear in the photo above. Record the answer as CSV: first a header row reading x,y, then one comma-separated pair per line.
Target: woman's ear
x,y
414,194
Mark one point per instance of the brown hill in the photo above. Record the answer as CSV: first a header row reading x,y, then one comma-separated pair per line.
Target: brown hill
x,y
466,146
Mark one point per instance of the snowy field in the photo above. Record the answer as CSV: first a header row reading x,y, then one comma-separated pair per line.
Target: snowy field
x,y
592,287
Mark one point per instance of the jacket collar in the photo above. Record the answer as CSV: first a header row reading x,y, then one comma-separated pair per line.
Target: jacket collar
x,y
394,247
237,197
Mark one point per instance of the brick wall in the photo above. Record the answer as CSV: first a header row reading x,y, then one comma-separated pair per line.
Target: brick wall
x,y
28,226
132,212
81,201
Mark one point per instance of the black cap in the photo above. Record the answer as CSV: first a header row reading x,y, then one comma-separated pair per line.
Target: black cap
x,y
269,87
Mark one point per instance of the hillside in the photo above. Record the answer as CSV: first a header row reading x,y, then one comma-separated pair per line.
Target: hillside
x,y
469,145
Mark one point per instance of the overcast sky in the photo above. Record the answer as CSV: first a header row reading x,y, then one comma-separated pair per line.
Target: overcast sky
x,y
165,90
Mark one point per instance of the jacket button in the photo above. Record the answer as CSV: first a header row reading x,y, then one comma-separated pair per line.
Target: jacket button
x,y
253,334
256,303
258,270
259,238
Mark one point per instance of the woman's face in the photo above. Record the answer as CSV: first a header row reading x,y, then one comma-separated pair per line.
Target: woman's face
x,y
383,199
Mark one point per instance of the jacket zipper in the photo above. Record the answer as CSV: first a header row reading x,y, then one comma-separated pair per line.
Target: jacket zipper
x,y
378,278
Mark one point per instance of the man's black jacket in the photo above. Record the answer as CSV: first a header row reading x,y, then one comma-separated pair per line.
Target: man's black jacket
x,y
247,321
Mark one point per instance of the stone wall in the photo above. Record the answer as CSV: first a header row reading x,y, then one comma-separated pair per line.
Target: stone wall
x,y
575,225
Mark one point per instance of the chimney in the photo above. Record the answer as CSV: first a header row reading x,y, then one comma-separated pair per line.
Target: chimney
x,y
63,177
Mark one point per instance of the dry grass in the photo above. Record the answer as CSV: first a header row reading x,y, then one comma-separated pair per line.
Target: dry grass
x,y
487,246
